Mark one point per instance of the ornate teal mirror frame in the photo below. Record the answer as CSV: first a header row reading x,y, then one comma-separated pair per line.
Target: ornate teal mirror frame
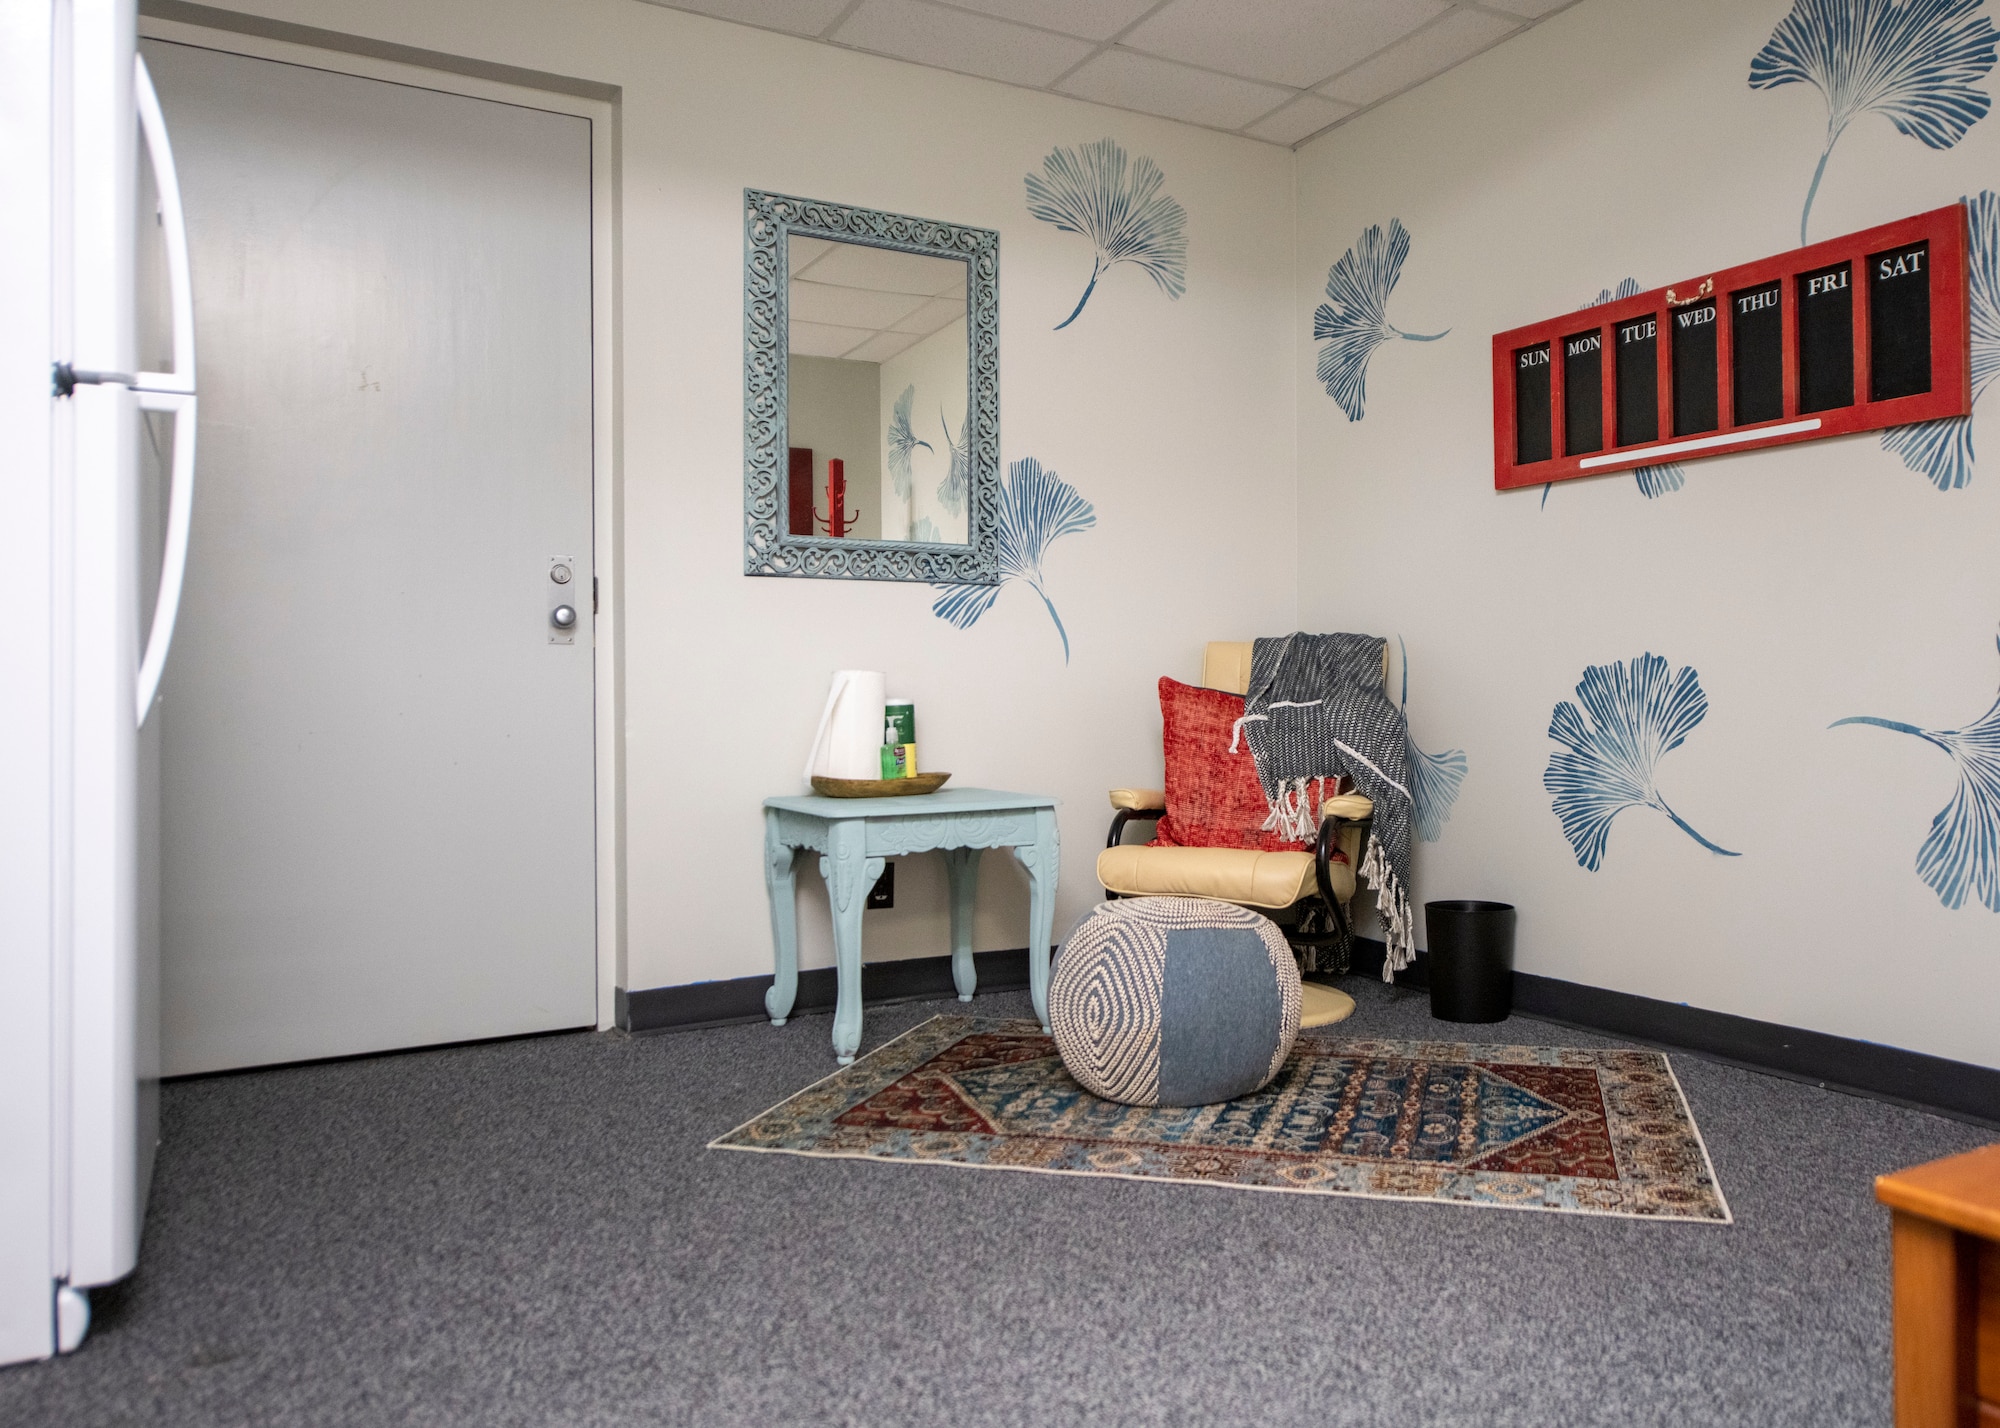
x,y
771,221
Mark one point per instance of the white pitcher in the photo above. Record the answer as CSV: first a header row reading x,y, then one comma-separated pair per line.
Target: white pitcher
x,y
849,741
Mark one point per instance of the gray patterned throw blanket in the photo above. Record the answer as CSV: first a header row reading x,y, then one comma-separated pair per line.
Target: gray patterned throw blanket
x,y
1317,708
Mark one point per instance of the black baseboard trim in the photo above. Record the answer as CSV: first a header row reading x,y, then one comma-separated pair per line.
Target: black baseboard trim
x,y
741,999
1861,1068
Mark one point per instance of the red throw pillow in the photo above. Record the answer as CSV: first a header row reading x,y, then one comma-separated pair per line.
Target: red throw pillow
x,y
1213,797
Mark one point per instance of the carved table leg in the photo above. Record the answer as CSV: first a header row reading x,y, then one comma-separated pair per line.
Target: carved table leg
x,y
781,884
849,873
961,865
1041,859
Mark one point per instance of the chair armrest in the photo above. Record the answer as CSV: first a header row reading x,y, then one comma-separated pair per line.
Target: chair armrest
x,y
1141,804
1351,806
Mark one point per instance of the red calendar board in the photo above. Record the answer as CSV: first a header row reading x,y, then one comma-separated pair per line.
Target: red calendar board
x,y
1854,334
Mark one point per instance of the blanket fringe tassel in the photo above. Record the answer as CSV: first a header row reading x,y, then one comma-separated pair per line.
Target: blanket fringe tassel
x,y
1295,816
1392,901
1295,809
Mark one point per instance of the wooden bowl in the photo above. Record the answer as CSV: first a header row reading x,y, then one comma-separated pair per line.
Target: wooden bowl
x,y
879,787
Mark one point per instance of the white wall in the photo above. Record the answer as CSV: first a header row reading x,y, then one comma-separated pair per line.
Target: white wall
x,y
1175,418
1620,139
935,370
831,407
1804,584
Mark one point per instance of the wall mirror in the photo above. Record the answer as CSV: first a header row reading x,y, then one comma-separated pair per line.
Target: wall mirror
x,y
871,394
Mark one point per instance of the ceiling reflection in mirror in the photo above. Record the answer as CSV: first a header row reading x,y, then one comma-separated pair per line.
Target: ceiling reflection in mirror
x,y
877,384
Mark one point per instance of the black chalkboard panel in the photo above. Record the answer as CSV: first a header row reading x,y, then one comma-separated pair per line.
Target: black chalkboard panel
x,y
1694,368
1899,322
1531,405
1636,366
1757,354
1583,393
1826,339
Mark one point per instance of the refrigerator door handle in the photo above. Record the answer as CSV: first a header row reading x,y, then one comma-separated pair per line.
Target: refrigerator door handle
x,y
153,124
173,568
168,391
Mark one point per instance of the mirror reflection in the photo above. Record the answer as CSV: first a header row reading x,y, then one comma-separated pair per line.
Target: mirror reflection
x,y
877,383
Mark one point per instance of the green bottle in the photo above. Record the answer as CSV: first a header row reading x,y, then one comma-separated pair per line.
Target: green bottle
x,y
899,739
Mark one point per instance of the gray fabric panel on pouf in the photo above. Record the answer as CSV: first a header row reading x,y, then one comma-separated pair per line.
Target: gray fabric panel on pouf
x,y
1174,1001
1222,1016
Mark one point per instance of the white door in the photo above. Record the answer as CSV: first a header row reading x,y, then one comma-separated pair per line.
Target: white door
x,y
377,809
29,1240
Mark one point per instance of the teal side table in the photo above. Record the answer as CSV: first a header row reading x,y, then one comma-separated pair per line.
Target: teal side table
x,y
853,837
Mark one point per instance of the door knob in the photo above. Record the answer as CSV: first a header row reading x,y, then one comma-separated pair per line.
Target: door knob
x,y
563,617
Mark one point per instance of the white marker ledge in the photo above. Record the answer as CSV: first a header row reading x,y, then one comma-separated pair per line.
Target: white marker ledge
x,y
1699,443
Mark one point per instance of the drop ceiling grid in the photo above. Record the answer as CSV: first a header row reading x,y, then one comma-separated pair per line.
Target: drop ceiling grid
x,y
1280,71
867,304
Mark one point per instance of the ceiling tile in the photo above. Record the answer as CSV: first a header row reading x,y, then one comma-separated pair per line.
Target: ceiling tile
x,y
1154,86
931,316
856,265
953,39
882,346
1301,119
849,307
815,339
801,17
1092,19
1432,50
1294,42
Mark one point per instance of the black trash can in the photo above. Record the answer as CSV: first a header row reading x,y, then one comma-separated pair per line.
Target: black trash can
x,y
1471,960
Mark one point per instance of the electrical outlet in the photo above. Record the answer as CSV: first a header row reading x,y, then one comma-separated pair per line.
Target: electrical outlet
x,y
883,894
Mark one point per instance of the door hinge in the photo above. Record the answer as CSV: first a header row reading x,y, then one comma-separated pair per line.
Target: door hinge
x,y
66,379
593,594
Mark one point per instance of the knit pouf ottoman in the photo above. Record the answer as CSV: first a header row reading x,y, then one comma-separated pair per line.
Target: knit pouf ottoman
x,y
1174,1001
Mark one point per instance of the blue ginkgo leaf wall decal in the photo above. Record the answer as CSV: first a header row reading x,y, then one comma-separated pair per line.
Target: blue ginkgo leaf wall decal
x,y
925,529
1036,509
1942,450
1915,61
1354,320
1653,481
902,441
958,479
1632,714
1657,481
1961,854
1096,191
1434,778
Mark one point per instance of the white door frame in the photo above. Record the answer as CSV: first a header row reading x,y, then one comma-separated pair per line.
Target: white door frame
x,y
605,386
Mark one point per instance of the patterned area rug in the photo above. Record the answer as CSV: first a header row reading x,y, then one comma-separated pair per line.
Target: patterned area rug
x,y
1512,1127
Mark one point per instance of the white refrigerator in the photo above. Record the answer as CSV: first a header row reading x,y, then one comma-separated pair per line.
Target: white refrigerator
x,y
97,423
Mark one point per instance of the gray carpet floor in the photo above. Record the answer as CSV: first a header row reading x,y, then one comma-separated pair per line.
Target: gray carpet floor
x,y
531,1232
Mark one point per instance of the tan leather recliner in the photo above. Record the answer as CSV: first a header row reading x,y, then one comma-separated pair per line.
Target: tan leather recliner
x,y
1269,882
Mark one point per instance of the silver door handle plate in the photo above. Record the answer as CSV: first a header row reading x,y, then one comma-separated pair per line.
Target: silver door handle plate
x,y
563,616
